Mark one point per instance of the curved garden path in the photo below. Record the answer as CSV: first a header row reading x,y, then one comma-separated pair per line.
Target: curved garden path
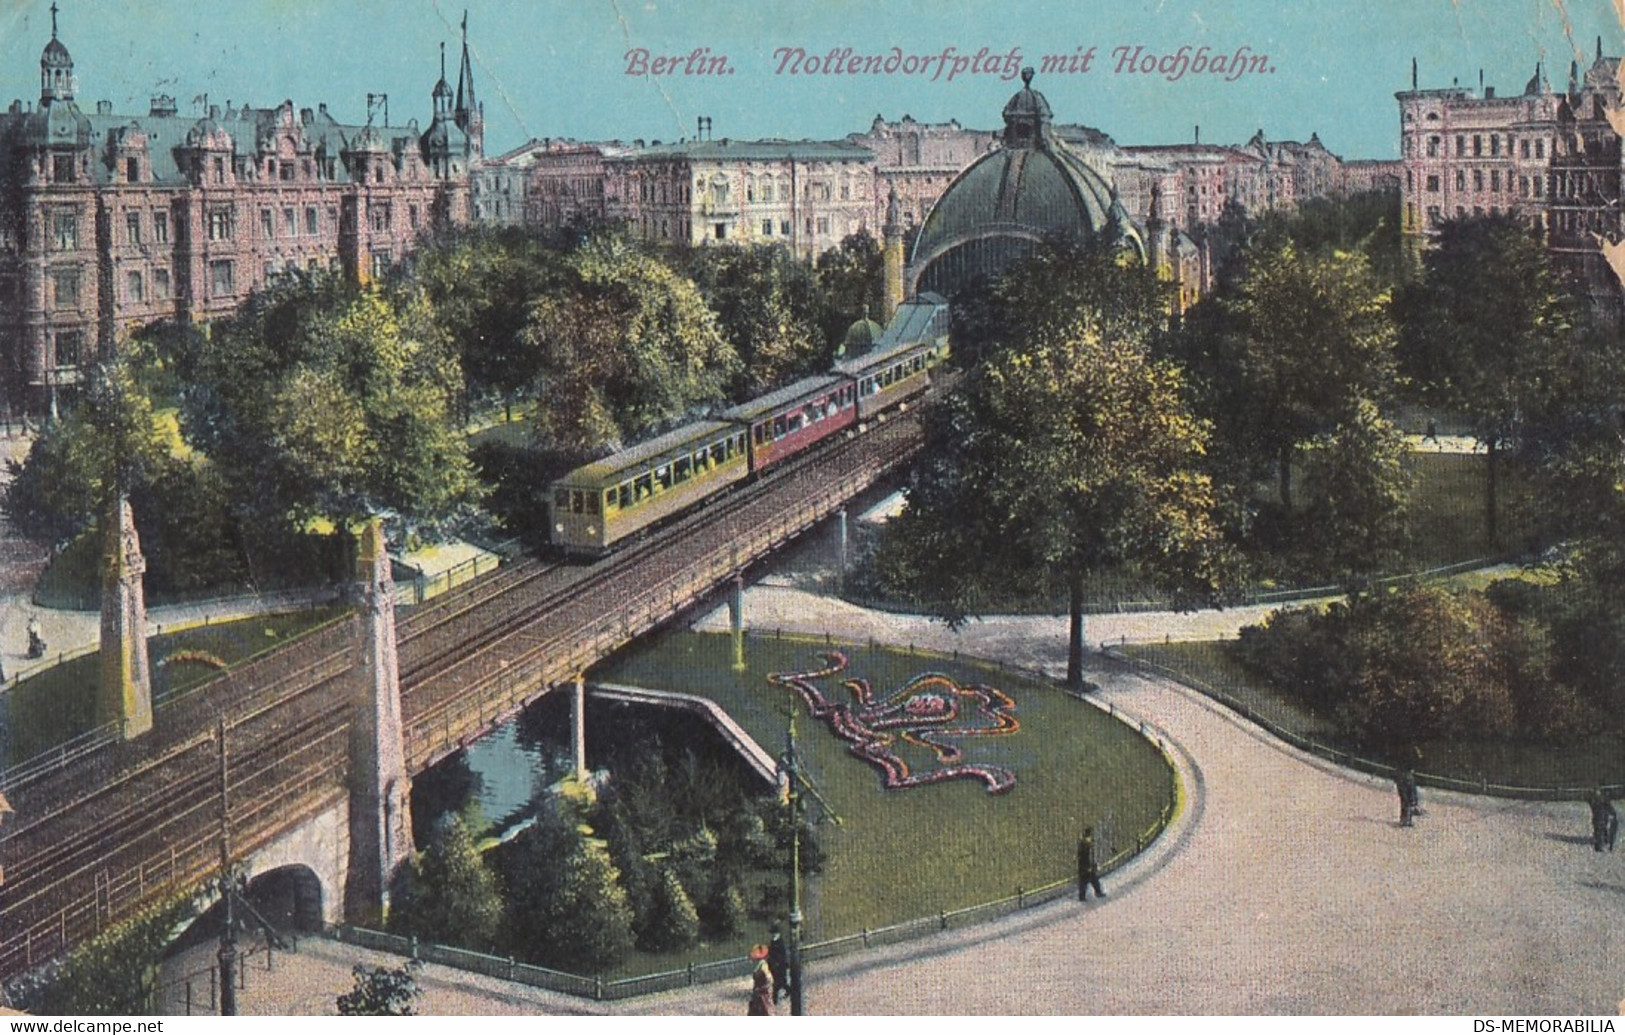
x,y
1286,886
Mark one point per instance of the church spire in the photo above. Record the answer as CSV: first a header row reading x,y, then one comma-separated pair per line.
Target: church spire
x,y
465,82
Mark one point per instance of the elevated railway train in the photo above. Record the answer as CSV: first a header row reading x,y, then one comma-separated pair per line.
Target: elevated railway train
x,y
600,504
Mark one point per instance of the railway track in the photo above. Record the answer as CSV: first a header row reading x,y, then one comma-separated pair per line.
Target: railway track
x,y
92,842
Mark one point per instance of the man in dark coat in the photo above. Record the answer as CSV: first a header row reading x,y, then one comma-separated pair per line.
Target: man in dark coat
x,y
1409,797
1604,822
778,960
1088,869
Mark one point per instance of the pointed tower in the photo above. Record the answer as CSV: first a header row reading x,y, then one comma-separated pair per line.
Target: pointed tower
x,y
470,116
891,260
55,69
124,695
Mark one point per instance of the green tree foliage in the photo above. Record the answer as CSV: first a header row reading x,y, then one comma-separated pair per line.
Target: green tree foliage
x,y
673,922
449,894
480,282
623,345
1289,353
1487,332
566,906
117,971
850,276
324,400
1425,664
723,913
1357,484
382,992
767,305
1057,458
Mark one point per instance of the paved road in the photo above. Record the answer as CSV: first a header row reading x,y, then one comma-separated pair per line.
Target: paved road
x,y
1286,887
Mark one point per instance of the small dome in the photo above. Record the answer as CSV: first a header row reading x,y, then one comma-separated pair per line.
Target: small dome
x,y
56,55
442,88
861,336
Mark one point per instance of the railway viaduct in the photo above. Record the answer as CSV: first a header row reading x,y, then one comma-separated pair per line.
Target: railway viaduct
x,y
294,762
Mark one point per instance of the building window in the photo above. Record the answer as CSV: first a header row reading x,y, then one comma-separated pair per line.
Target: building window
x,y
66,284
767,228
1495,145
1523,149
220,170
65,231
1478,145
1433,215
1461,179
1540,149
312,225
818,191
68,346
62,168
378,174
134,287
220,225
784,228
1495,179
220,278
1478,179
289,224
412,216
823,224
132,170
160,284
132,227
160,225
719,231
380,264
267,224
1433,185
287,172
378,216
1433,147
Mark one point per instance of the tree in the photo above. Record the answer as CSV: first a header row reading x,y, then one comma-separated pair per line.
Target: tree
x,y
850,276
382,992
1357,486
673,922
1056,459
449,895
623,344
1484,329
767,305
566,906
481,282
117,971
323,400
1298,344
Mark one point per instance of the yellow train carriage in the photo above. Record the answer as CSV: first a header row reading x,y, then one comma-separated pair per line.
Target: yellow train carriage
x,y
600,503
899,365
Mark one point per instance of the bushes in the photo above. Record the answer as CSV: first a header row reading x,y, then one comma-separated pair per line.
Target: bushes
x,y
1423,664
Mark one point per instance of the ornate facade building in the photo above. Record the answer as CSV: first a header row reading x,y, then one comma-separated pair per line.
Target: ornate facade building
x,y
111,222
1552,158
806,195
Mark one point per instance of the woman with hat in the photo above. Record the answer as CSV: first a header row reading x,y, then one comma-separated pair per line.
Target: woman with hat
x,y
761,988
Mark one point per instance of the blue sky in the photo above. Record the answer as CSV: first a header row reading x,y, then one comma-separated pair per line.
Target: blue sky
x,y
558,68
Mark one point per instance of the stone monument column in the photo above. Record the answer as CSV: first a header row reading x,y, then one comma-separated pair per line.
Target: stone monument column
x,y
124,696
380,790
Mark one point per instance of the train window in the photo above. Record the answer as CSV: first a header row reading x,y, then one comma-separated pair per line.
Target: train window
x,y
592,502
663,476
719,452
739,444
701,461
576,504
561,500
626,495
681,470
778,427
612,500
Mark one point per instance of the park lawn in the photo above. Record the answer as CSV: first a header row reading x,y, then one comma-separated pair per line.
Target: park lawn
x,y
1588,762
59,703
1446,510
904,854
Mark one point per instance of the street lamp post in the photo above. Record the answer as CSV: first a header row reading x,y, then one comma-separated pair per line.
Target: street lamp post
x,y
793,949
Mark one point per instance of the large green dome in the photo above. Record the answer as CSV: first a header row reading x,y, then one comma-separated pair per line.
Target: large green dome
x,y
1009,200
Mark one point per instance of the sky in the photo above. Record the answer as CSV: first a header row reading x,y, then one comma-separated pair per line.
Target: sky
x,y
571,68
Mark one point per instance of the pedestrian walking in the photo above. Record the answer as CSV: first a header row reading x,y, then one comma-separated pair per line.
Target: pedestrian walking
x,y
778,961
1604,822
1409,797
1432,433
1088,870
761,984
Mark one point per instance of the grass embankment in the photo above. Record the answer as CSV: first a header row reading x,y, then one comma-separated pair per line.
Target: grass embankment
x,y
59,703
1589,762
903,854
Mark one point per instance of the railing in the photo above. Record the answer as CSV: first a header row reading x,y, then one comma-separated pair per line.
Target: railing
x,y
198,992
604,988
423,587
1353,759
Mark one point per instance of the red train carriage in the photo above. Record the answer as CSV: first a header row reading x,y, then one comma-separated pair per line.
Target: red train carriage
x,y
795,417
